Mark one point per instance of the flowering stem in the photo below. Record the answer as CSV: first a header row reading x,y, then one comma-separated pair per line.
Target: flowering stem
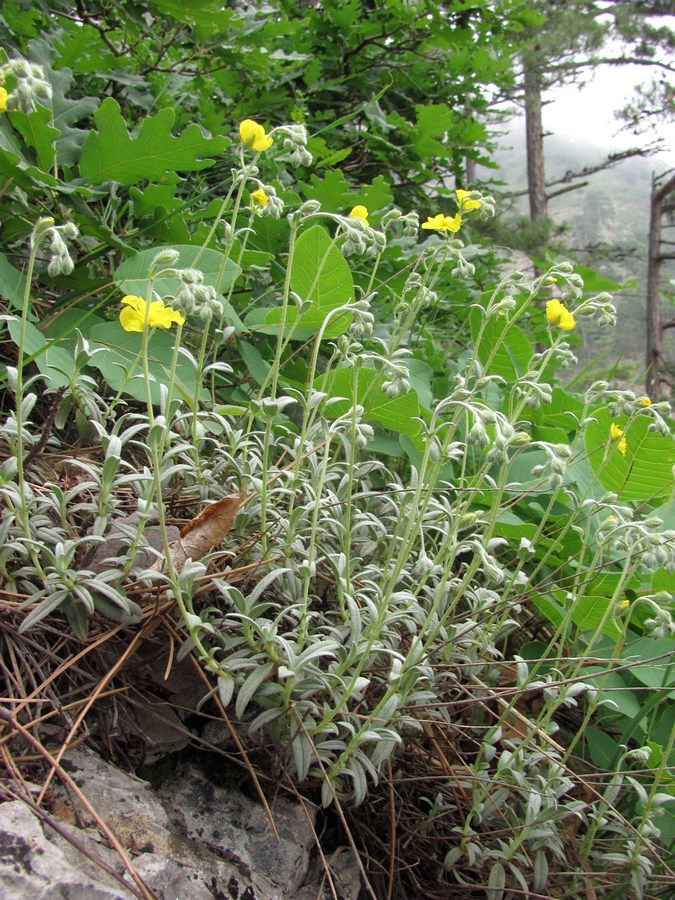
x,y
39,232
276,365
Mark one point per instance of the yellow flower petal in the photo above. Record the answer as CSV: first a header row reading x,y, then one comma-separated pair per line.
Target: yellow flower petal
x,y
464,203
443,223
559,315
645,401
259,198
132,317
130,320
3,99
617,437
253,136
360,212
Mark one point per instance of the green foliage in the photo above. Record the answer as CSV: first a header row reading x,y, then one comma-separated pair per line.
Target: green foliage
x,y
644,472
416,496
132,277
111,154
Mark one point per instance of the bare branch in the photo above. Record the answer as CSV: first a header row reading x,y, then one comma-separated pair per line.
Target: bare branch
x,y
592,62
566,190
610,160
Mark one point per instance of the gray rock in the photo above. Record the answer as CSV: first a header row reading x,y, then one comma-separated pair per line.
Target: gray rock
x,y
229,821
192,840
33,866
161,728
127,803
171,879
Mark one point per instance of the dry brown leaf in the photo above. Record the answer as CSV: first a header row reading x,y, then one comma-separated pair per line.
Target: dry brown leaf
x,y
202,533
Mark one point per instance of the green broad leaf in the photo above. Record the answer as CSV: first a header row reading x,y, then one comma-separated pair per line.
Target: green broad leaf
x,y
397,414
646,470
590,610
520,470
70,141
333,192
601,747
257,366
38,132
564,411
55,363
613,689
112,154
549,608
376,196
12,283
433,122
513,528
606,584
333,158
663,730
154,199
319,274
121,365
503,348
421,375
658,669
537,652
14,166
206,17
65,111
663,580
324,155
551,435
387,446
132,275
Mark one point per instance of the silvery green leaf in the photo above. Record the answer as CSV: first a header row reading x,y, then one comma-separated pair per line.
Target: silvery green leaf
x,y
38,613
225,689
250,686
263,584
303,754
12,375
27,405
264,719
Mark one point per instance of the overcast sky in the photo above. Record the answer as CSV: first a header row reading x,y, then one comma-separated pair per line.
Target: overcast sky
x,y
589,112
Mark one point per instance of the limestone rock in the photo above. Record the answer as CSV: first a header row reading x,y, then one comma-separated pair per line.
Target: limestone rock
x,y
192,840
31,865
233,824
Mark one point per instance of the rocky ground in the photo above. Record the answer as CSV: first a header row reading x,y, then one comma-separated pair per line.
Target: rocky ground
x,y
190,839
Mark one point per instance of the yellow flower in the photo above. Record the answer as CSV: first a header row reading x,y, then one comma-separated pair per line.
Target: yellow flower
x,y
253,136
443,223
3,99
465,204
132,317
558,314
624,604
645,401
360,212
259,198
618,438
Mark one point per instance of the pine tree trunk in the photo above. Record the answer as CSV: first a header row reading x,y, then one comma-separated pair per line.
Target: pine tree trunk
x,y
534,136
654,381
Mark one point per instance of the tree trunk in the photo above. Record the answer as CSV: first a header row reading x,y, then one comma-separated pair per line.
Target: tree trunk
x,y
534,136
470,171
654,381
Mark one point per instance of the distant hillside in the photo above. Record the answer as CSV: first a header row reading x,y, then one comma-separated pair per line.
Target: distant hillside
x,y
612,210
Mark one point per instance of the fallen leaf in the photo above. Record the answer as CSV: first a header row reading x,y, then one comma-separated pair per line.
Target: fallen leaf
x,y
202,533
